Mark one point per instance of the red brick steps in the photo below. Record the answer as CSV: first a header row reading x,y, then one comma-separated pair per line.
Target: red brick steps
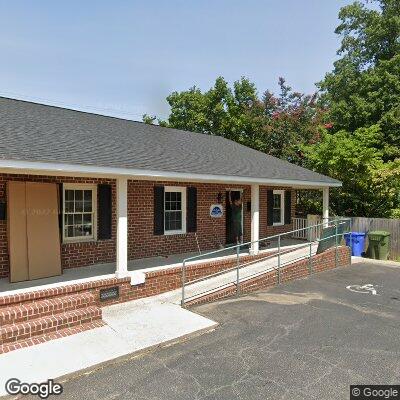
x,y
37,321
5,348
51,306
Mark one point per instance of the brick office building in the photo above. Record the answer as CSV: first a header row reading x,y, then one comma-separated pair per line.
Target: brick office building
x,y
79,189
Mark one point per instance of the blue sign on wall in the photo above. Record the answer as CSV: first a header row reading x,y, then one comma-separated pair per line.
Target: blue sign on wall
x,y
216,211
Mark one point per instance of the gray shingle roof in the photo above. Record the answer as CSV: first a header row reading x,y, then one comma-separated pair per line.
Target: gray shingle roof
x,y
36,132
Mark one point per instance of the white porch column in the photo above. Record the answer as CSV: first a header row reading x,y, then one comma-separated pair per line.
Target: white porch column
x,y
122,228
325,206
255,218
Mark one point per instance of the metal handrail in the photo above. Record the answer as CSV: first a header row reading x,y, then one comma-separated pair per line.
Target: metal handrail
x,y
237,247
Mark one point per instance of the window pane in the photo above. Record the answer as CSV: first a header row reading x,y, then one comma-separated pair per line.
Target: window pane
x,y
70,231
87,229
87,206
78,206
69,206
87,218
173,221
277,201
277,216
78,219
88,195
68,219
78,231
69,195
78,194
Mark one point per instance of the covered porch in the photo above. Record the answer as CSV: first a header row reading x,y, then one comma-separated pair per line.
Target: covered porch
x,y
136,269
258,222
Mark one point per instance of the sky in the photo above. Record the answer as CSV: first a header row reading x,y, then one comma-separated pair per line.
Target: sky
x,y
123,58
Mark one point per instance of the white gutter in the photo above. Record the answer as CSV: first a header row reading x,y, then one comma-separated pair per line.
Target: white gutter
x,y
35,168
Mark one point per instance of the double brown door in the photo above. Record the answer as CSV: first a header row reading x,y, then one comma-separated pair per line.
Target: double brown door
x,y
33,233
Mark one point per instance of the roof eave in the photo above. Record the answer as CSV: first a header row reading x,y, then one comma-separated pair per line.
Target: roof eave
x,y
40,168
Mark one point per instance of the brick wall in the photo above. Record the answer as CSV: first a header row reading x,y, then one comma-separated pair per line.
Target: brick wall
x,y
269,230
210,231
141,240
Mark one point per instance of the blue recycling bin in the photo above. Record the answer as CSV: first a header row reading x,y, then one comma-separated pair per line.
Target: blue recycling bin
x,y
357,242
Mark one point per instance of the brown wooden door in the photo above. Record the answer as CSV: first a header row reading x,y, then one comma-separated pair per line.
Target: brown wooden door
x,y
16,231
33,236
42,230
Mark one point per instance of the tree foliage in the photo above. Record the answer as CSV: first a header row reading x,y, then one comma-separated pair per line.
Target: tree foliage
x,y
364,87
275,124
353,159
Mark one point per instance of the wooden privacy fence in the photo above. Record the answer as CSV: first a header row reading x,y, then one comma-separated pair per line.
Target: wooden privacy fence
x,y
362,224
359,224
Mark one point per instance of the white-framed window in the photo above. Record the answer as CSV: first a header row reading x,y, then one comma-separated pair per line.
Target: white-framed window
x,y
79,212
278,212
174,210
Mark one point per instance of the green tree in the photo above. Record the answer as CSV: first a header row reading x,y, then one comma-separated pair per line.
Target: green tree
x,y
369,185
364,87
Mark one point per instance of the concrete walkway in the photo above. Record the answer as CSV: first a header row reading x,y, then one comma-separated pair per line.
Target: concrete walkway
x,y
131,327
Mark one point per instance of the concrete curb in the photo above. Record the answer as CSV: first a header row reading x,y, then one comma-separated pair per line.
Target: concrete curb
x,y
358,260
136,354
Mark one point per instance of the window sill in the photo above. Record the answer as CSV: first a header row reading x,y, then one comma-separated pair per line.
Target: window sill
x,y
172,233
278,224
76,241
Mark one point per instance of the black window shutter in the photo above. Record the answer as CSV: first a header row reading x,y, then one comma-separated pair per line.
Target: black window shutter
x,y
158,210
288,206
191,217
105,212
270,207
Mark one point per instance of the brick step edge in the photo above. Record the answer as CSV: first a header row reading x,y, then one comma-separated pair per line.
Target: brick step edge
x,y
48,324
42,308
5,348
63,289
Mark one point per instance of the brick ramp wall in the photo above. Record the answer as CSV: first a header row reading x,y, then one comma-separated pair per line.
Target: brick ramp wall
x,y
299,269
156,282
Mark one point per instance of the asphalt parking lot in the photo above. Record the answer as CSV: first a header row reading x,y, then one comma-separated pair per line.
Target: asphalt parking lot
x,y
309,339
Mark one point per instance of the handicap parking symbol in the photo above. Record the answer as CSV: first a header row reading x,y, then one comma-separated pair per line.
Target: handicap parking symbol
x,y
368,288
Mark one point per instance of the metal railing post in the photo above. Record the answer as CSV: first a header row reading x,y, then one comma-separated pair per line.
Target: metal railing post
x,y
336,243
279,259
351,238
237,270
183,283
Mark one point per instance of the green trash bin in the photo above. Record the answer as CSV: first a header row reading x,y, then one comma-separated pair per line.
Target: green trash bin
x,y
378,246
